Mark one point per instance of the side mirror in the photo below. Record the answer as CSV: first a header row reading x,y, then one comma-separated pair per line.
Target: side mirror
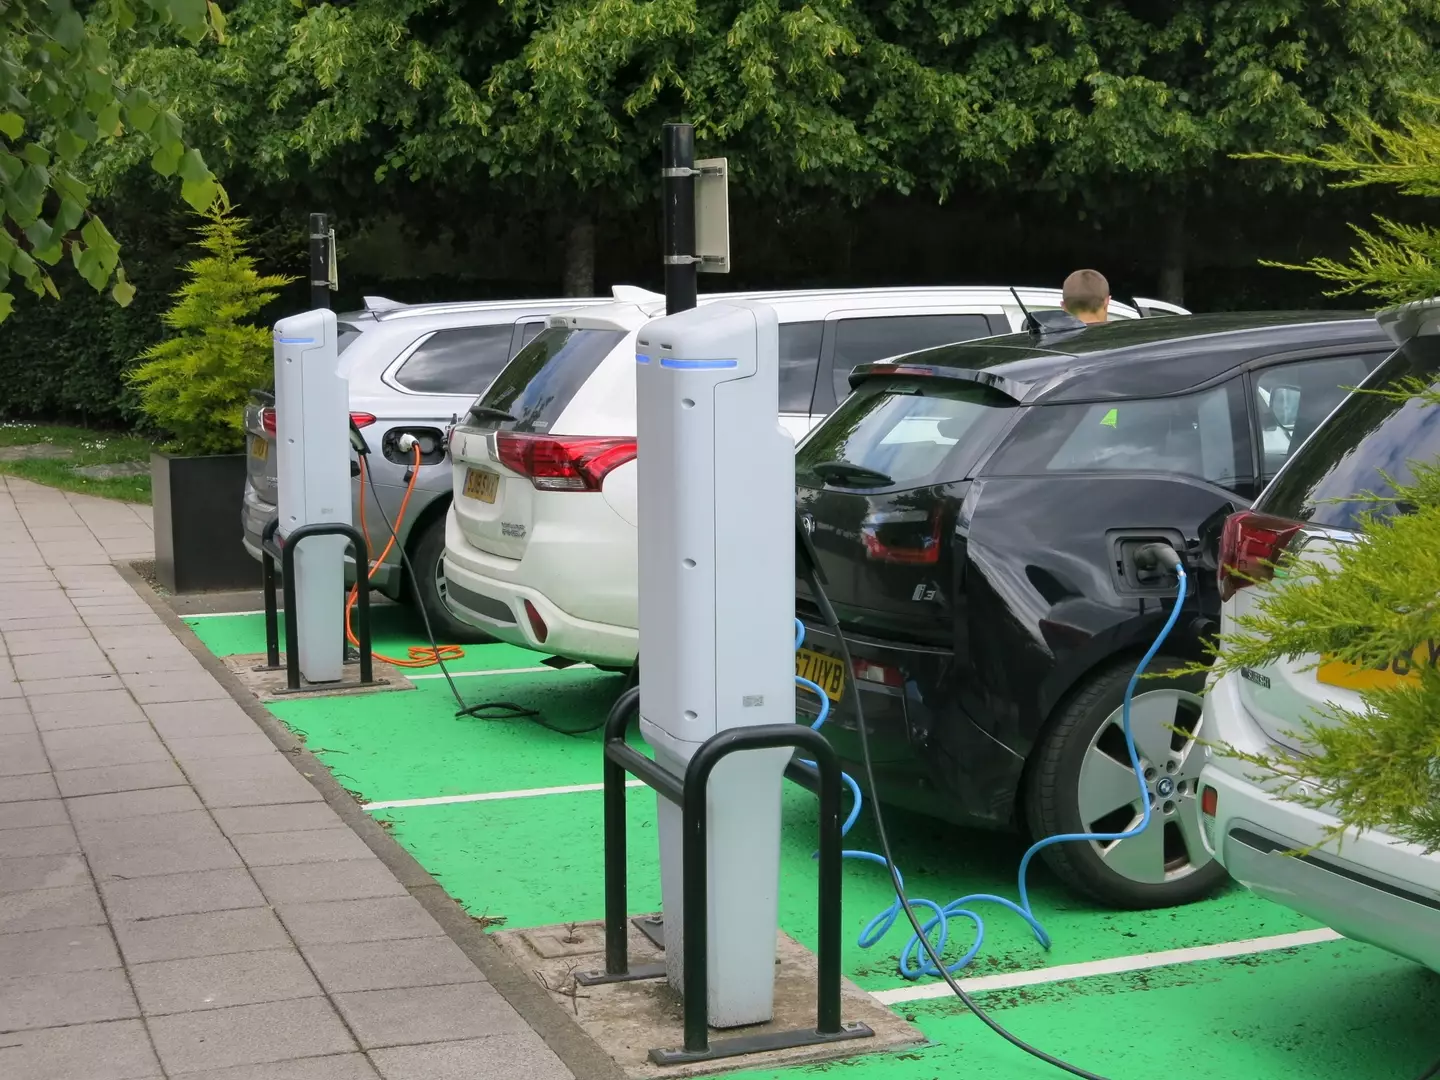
x,y
1285,404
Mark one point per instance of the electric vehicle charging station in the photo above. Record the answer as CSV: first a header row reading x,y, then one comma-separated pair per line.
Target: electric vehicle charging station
x,y
717,573
312,407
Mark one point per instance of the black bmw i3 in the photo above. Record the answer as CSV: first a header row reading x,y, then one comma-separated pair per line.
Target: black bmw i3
x,y
975,511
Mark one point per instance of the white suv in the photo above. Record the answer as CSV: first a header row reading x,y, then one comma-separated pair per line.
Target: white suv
x,y
540,540
1373,888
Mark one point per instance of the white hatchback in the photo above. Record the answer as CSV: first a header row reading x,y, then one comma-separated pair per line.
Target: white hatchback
x,y
1373,888
540,543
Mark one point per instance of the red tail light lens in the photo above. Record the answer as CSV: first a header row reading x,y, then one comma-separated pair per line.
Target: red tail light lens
x,y
1209,801
905,536
267,419
883,674
1249,548
563,463
537,624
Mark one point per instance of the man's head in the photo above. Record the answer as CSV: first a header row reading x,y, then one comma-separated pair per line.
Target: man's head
x,y
1086,295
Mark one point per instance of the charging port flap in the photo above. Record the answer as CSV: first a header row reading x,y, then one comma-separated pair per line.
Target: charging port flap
x,y
1129,575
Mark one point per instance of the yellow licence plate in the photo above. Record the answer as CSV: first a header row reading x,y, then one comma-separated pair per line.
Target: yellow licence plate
x,y
825,671
259,448
481,484
1404,669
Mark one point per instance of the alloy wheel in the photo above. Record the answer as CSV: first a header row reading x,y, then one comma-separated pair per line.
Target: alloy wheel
x,y
1165,725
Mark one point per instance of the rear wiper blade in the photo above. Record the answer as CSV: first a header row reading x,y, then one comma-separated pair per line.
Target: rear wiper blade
x,y
841,471
489,412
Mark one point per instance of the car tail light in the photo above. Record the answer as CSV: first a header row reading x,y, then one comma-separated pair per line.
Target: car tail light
x,y
267,419
1209,801
922,549
537,624
868,671
563,463
1249,548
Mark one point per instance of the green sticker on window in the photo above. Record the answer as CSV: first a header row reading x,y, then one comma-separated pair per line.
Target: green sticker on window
x,y
1111,419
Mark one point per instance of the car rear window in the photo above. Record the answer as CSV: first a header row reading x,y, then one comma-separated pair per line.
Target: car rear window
x,y
866,340
546,375
915,431
460,361
345,335
1194,434
1364,449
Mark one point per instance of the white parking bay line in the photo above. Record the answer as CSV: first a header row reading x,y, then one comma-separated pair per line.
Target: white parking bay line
x,y
493,796
1118,965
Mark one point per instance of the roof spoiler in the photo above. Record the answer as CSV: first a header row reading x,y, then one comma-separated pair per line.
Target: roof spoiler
x,y
634,294
380,303
1410,320
1015,389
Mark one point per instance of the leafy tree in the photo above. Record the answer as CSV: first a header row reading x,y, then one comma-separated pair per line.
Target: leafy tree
x,y
59,97
194,385
1376,766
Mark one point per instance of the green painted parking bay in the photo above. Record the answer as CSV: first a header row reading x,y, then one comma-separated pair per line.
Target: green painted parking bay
x,y
1328,1009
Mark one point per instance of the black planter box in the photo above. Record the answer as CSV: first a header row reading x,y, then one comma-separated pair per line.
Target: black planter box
x,y
197,523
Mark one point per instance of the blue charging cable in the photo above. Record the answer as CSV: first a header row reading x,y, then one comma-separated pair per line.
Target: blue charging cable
x,y
914,963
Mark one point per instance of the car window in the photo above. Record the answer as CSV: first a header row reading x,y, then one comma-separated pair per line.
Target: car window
x,y
1365,448
1194,434
546,375
1292,399
864,341
530,331
345,334
799,357
914,431
461,361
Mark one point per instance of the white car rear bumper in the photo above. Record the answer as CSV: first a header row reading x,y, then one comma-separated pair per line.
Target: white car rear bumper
x,y
1370,887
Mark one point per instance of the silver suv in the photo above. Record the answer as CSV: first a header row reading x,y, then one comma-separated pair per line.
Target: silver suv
x,y
412,368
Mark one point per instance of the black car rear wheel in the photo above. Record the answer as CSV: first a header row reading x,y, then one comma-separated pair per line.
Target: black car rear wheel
x,y
1081,782
426,588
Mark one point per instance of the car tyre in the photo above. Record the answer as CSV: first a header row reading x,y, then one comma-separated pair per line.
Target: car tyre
x,y
1073,782
425,586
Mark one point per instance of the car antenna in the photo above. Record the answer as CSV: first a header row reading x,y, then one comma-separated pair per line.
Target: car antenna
x,y
1055,322
1139,311
1031,324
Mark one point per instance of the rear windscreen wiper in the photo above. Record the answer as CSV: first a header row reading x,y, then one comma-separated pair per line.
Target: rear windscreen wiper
x,y
841,471
488,412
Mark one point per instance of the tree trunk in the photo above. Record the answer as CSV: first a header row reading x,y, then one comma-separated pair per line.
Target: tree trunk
x,y
1172,265
580,258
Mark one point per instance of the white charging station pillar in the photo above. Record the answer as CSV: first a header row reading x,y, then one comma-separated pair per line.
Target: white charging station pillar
x,y
312,462
717,608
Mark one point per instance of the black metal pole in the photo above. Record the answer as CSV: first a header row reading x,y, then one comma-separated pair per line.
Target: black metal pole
x,y
827,1009
272,620
319,261
677,171
695,896
292,617
362,593
617,900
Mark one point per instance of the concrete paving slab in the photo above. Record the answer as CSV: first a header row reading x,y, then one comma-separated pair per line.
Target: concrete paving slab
x,y
498,1057
130,804
51,909
390,965
72,997
248,1034
22,755
74,661
164,687
211,933
40,840
428,1014
111,744
201,718
337,1067
28,815
27,788
102,781
250,782
341,921
211,747
284,817
181,894
30,872
69,948
153,846
306,883
16,721
94,709
219,982
313,846
117,1050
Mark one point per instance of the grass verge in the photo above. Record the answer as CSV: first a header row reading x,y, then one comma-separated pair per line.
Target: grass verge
x,y
59,450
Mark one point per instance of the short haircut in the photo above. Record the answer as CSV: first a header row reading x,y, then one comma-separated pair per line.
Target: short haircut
x,y
1085,290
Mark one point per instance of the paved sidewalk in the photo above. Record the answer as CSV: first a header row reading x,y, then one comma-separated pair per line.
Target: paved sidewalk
x,y
176,899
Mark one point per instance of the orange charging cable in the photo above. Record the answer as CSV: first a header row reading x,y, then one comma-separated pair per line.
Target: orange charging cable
x,y
421,656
